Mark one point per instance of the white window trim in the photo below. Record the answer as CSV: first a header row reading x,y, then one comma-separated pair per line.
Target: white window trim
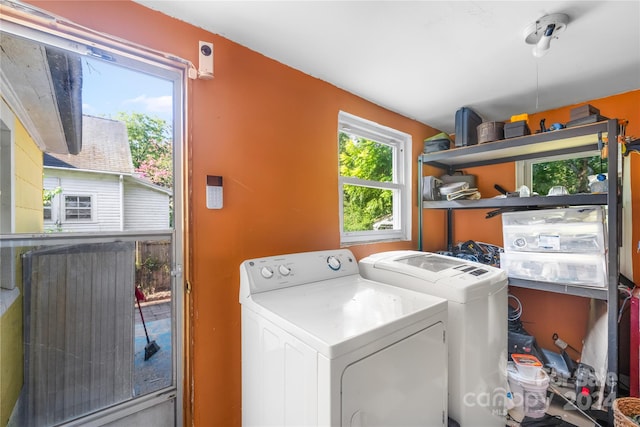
x,y
62,213
53,204
401,186
8,255
55,211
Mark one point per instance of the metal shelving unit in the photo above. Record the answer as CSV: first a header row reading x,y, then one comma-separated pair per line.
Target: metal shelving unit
x,y
579,139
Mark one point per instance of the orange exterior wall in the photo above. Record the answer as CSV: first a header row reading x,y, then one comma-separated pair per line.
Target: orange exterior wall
x,y
271,132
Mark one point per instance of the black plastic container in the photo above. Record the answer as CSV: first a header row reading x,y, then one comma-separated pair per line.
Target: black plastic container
x,y
467,122
436,145
519,128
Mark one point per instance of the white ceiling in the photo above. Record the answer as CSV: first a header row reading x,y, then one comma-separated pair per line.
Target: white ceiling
x,y
426,59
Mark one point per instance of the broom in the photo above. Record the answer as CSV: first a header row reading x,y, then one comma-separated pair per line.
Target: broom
x,y
152,347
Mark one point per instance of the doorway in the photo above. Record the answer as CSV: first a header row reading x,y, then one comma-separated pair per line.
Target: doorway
x,y
98,249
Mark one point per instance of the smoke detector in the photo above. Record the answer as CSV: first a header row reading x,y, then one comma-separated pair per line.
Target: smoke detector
x,y
543,30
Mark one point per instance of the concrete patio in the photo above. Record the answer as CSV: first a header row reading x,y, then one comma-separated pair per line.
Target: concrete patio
x,y
156,372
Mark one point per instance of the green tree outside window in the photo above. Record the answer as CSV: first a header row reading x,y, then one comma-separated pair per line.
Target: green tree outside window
x,y
571,173
367,160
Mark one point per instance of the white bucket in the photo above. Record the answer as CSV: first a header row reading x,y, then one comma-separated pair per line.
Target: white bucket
x,y
529,395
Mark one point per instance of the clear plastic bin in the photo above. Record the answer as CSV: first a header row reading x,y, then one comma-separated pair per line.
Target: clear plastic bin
x,y
570,230
585,237
573,269
563,216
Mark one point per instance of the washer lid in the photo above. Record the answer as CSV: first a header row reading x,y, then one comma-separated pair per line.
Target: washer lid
x,y
447,277
339,315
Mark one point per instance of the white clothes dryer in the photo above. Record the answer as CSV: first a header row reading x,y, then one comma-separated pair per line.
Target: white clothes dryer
x,y
477,327
321,346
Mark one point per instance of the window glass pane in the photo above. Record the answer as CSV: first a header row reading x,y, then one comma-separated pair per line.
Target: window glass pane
x,y
77,207
367,208
365,159
573,174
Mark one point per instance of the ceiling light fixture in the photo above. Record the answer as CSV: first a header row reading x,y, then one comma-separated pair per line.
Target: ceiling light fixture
x,y
543,30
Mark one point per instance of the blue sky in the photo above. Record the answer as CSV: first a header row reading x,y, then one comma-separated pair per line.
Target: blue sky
x,y
108,88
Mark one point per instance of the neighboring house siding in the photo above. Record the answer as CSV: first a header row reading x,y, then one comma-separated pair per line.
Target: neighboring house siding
x,y
28,185
145,209
11,359
27,216
105,193
103,170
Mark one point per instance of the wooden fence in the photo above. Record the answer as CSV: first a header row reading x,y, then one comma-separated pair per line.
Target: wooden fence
x,y
153,266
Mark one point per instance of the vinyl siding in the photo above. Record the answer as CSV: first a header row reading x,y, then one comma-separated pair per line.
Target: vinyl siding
x,y
104,190
28,183
27,218
145,208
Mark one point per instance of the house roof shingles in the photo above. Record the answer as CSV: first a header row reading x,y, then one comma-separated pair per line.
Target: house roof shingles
x,y
105,147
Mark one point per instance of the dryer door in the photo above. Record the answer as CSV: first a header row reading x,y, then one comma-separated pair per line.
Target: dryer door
x,y
403,384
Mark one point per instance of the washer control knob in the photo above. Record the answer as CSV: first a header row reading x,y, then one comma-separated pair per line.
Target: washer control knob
x,y
284,270
334,263
266,272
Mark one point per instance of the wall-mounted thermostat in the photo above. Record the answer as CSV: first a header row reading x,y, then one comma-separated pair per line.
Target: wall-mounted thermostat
x,y
214,192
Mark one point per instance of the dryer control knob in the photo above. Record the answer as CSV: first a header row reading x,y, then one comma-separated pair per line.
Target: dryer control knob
x,y
334,263
284,270
266,272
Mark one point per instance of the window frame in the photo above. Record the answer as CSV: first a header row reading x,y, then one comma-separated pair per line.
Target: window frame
x,y
54,207
8,290
47,207
401,185
92,208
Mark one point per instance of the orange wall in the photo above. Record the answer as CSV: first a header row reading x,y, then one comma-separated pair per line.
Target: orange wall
x,y
270,131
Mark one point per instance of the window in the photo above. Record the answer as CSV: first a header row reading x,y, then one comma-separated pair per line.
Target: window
x,y
373,180
46,210
576,174
78,208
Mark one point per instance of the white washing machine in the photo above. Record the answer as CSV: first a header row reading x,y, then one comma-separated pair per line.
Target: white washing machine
x,y
321,346
477,327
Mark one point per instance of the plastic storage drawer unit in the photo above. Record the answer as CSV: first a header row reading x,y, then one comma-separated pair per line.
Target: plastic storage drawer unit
x,y
568,230
570,238
572,269
576,214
